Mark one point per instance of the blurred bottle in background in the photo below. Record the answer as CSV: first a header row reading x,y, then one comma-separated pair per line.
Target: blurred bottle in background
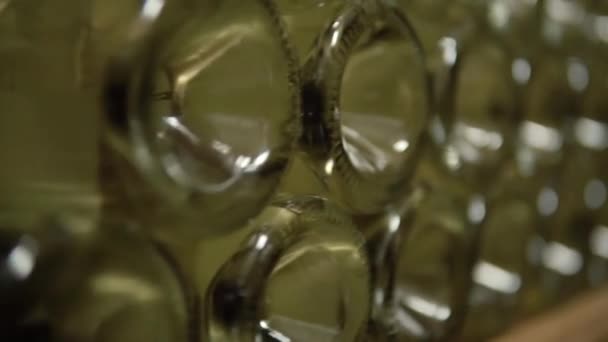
x,y
435,241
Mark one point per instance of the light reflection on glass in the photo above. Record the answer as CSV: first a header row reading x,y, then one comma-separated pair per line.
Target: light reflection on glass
x,y
547,201
220,147
363,153
242,162
124,284
22,258
401,146
152,8
298,330
272,333
521,70
258,162
329,167
335,38
449,48
409,324
480,137
424,306
437,130
261,242
496,278
499,14
578,75
469,141
599,241
541,137
591,133
564,11
394,222
451,158
373,142
562,259
174,124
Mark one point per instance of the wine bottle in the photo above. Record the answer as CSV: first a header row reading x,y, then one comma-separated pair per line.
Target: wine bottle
x,y
206,111
365,97
301,275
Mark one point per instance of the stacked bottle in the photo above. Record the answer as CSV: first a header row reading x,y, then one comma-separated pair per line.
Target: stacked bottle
x,y
273,170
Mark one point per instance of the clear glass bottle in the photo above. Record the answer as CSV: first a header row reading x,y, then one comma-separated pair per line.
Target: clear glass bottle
x,y
424,250
70,270
70,275
564,256
53,55
582,211
508,231
206,110
365,98
591,134
301,275
520,252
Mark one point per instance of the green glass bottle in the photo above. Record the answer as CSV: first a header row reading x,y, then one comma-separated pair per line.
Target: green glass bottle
x,y
301,275
425,249
591,134
206,111
520,253
70,270
72,276
564,256
365,104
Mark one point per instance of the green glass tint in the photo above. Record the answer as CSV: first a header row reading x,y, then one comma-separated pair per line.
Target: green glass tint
x,y
365,105
301,275
211,109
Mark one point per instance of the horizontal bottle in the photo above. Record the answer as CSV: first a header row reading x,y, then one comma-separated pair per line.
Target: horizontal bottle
x,y
70,276
53,55
301,274
206,111
527,250
365,103
427,249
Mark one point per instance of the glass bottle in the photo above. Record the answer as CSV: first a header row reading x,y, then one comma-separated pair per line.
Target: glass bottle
x,y
206,111
70,272
424,250
583,203
301,274
364,105
70,275
519,248
564,255
507,233
52,55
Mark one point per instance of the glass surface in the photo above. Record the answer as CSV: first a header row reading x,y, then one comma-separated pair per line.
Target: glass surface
x,y
432,245
305,19
445,163
52,59
70,276
211,110
532,255
301,275
365,105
